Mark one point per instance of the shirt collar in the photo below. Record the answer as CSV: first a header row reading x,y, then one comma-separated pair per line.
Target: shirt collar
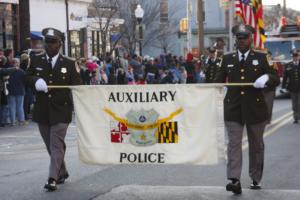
x,y
246,54
54,59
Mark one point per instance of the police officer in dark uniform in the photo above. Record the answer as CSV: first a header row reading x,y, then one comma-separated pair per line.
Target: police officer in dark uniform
x,y
53,107
212,64
269,92
244,106
291,82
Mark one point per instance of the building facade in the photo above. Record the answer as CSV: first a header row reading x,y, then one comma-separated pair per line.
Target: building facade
x,y
215,26
67,16
9,33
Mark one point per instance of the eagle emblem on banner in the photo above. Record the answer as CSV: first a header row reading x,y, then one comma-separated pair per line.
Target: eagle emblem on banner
x,y
143,128
141,117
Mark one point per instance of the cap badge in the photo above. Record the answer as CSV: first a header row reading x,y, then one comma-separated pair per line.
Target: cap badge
x,y
242,28
50,32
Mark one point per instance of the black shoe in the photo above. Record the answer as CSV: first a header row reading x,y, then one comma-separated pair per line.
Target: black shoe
x,y
234,186
296,122
51,185
255,186
61,179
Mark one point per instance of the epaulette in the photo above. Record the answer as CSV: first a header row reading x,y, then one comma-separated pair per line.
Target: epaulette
x,y
69,58
37,55
260,51
229,53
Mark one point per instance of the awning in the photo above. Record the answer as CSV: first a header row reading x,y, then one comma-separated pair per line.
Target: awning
x,y
10,1
36,35
115,37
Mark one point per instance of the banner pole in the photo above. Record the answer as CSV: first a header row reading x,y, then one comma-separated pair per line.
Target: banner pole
x,y
200,85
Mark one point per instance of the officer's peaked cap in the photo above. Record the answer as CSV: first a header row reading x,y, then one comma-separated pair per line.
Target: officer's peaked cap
x,y
242,31
211,49
294,52
53,34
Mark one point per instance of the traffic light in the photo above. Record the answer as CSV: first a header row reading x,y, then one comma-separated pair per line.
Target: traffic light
x,y
183,25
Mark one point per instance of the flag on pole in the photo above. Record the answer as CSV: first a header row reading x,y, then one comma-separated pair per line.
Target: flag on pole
x,y
165,124
251,13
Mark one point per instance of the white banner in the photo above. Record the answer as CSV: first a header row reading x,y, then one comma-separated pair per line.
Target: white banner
x,y
10,1
149,124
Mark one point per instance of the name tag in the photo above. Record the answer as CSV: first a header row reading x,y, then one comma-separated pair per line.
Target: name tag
x,y
39,69
230,65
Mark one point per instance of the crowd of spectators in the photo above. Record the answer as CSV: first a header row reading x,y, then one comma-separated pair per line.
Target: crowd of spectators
x,y
14,104
133,69
17,99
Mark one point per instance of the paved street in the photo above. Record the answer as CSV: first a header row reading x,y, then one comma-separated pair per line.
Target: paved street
x,y
24,168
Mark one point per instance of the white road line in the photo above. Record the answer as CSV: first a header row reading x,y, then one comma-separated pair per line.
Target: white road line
x,y
274,123
19,136
282,117
272,130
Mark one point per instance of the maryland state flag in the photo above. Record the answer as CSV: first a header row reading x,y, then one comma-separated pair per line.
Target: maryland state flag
x,y
166,132
251,13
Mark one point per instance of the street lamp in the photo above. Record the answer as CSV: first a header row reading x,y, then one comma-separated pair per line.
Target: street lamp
x,y
139,14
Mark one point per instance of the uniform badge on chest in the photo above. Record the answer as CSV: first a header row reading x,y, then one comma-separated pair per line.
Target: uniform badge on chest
x,y
255,62
63,70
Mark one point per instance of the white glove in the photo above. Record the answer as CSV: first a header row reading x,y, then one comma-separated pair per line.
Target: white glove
x,y
41,85
261,81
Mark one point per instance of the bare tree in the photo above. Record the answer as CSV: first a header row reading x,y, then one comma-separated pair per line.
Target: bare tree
x,y
151,16
104,12
163,32
155,34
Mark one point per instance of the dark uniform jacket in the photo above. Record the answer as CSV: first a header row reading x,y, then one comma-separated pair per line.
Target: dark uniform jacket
x,y
211,70
291,77
4,72
55,106
245,104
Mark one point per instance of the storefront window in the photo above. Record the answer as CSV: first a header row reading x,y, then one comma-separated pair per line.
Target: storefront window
x,y
75,44
7,22
96,50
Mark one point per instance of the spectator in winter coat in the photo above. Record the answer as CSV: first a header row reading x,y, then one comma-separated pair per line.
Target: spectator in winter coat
x,y
16,92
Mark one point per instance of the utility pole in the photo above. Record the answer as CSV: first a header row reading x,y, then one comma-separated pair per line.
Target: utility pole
x,y
231,15
200,28
189,25
24,17
284,8
68,30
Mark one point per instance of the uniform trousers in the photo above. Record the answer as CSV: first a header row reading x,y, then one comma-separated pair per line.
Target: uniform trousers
x,y
296,104
54,136
269,99
234,149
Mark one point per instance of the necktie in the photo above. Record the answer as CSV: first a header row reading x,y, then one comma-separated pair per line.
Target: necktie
x,y
242,61
50,62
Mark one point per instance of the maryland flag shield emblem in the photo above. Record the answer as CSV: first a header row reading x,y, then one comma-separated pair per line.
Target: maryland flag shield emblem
x,y
163,132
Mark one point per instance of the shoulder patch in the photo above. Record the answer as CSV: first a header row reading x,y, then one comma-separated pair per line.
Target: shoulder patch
x,y
219,64
229,53
77,67
69,58
260,51
288,68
